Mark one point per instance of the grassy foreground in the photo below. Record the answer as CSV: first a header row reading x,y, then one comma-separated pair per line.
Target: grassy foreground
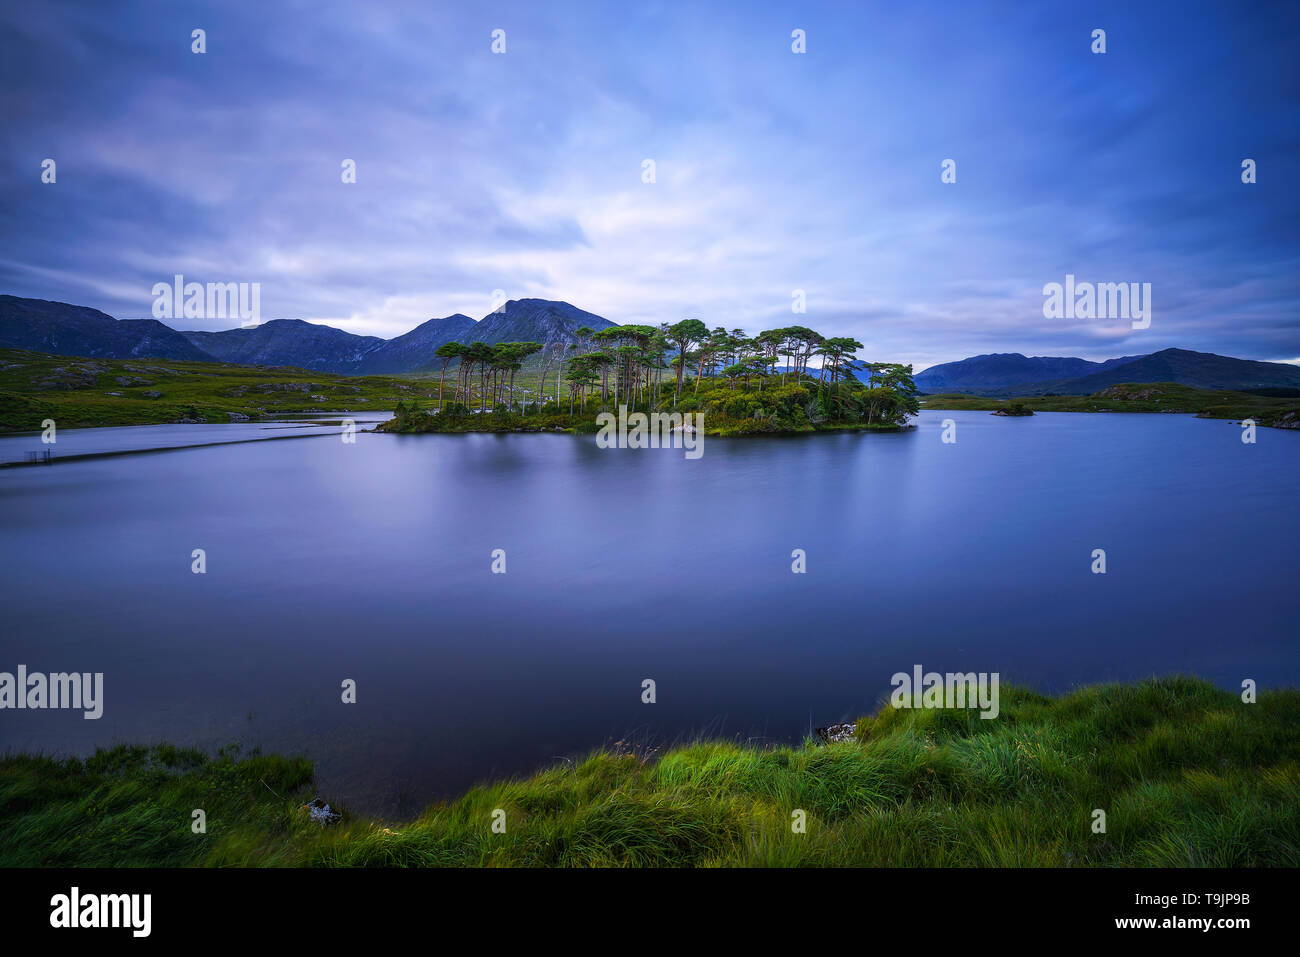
x,y
1187,775
1276,411
84,393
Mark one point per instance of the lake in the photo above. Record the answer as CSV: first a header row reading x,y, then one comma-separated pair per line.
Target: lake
x,y
372,561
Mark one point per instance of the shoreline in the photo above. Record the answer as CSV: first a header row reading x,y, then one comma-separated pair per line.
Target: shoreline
x,y
1188,773
1139,398
589,428
508,429
84,456
1267,412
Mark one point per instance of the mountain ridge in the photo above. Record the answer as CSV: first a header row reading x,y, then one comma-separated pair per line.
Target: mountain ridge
x,y
519,319
1007,368
1013,374
60,328
65,329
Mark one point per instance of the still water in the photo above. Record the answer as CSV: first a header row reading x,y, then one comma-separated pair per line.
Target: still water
x,y
372,561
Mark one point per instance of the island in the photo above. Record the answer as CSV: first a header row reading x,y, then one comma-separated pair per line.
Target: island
x,y
734,384
1013,408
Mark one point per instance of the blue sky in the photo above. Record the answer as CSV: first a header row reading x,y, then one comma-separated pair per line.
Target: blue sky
x,y
775,171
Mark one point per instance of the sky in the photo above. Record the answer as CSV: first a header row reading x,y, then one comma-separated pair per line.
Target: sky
x,y
775,171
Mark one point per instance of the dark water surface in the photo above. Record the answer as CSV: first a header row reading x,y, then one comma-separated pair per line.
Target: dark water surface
x,y
371,561
72,443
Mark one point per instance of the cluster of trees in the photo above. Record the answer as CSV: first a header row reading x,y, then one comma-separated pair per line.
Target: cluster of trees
x,y
496,366
647,366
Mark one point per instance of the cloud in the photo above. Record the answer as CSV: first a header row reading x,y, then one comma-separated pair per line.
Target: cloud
x,y
775,171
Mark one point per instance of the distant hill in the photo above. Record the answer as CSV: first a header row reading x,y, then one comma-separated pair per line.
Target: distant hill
x,y
1012,375
1200,370
414,351
287,342
64,329
321,348
535,320
292,342
999,370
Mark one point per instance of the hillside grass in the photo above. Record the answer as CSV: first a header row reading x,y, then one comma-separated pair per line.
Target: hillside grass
x,y
1187,774
76,393
1278,412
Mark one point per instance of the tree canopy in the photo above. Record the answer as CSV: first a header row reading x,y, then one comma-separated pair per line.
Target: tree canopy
x,y
788,377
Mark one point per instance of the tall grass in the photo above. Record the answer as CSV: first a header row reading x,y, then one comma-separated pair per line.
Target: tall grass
x,y
1187,775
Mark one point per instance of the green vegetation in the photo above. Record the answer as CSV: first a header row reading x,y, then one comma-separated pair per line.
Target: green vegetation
x,y
1186,773
734,381
1279,411
78,393
740,384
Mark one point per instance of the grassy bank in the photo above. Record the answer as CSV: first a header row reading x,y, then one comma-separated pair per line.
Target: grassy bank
x,y
1187,775
81,393
1278,412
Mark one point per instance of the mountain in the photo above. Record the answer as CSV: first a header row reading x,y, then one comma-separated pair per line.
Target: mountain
x,y
287,342
309,345
534,320
1014,374
1002,369
414,351
1200,370
64,329
292,342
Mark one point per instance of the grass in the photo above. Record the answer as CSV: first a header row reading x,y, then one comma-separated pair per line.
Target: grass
x,y
1187,774
1276,411
84,393
80,393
